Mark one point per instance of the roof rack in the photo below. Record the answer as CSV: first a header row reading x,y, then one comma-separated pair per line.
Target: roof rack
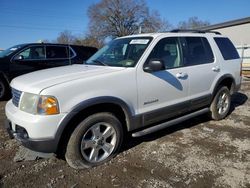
x,y
194,31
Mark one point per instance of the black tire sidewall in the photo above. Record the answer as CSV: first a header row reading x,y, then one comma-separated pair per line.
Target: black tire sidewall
x,y
214,112
4,86
73,153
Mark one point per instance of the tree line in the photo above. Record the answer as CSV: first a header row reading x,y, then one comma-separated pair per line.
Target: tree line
x,y
109,19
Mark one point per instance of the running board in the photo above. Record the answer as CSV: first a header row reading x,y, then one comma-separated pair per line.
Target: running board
x,y
169,123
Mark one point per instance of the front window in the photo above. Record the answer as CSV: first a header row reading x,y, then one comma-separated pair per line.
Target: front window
x,y
33,53
11,50
124,52
168,51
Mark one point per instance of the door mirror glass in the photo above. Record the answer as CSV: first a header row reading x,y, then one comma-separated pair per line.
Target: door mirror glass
x,y
154,65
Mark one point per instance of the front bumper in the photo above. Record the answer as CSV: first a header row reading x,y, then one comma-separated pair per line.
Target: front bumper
x,y
35,132
46,146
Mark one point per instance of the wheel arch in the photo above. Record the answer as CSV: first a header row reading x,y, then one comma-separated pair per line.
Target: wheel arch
x,y
5,77
6,93
82,110
225,80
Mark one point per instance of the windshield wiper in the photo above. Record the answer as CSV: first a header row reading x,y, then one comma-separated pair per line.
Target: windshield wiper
x,y
99,62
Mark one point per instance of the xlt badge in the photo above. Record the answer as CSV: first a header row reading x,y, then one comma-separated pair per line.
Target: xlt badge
x,y
150,102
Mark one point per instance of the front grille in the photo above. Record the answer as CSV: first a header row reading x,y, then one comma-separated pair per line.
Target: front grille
x,y
16,95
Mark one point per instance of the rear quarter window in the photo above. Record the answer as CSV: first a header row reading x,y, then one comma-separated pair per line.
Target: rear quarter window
x,y
83,52
227,48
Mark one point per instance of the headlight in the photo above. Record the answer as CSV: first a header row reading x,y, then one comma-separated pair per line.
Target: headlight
x,y
36,104
29,103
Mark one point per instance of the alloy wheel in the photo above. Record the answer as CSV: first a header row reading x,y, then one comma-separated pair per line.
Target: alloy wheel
x,y
98,142
223,103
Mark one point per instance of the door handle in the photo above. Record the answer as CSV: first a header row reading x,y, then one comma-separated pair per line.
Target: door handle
x,y
216,69
181,75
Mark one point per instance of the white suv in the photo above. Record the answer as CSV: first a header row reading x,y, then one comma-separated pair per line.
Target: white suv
x,y
138,84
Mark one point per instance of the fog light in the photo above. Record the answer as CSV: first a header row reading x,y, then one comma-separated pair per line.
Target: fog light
x,y
20,131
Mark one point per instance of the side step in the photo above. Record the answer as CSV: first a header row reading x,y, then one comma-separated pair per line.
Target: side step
x,y
169,123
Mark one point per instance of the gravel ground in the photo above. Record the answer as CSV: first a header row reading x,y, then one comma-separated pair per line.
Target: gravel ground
x,y
196,153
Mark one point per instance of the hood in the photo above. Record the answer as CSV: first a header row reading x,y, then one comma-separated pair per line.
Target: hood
x,y
35,82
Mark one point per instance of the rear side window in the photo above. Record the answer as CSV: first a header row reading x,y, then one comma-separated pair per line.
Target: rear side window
x,y
198,51
227,48
56,52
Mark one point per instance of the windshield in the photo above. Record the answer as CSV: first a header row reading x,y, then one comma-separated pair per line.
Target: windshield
x,y
10,50
124,52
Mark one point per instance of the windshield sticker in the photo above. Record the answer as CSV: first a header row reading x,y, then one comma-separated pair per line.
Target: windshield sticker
x,y
139,41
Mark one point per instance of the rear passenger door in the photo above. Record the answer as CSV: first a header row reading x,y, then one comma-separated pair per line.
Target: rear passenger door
x,y
202,67
57,56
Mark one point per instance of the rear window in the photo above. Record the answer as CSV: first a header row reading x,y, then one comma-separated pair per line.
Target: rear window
x,y
84,52
227,48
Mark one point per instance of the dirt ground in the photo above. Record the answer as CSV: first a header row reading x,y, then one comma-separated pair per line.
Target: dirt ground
x,y
197,153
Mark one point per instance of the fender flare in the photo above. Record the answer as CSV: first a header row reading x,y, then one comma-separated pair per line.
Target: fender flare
x,y
2,74
90,102
220,80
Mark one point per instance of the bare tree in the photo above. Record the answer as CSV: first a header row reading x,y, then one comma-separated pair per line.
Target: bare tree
x,y
192,23
88,40
66,37
115,18
154,23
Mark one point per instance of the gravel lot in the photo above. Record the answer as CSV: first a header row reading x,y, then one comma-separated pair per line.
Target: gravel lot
x,y
197,153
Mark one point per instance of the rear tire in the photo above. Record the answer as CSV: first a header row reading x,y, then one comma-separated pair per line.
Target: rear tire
x,y
221,103
96,140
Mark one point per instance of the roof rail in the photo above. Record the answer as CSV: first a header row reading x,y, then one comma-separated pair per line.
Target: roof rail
x,y
194,31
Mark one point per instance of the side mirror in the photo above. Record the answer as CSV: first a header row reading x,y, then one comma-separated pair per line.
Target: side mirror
x,y
19,57
154,65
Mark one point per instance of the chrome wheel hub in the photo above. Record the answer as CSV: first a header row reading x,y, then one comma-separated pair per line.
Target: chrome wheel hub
x,y
223,103
98,142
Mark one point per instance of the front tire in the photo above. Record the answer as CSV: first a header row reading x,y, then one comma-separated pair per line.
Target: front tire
x,y
221,103
3,89
95,141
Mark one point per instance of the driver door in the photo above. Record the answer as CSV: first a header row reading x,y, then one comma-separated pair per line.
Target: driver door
x,y
163,94
28,60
